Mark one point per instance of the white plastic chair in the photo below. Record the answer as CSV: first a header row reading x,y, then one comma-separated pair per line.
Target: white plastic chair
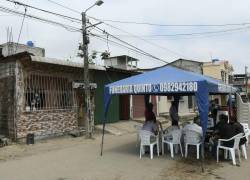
x,y
192,138
174,140
246,131
232,150
243,147
148,139
138,128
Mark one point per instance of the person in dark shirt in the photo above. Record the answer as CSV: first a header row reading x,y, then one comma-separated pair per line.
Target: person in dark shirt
x,y
228,130
222,131
238,128
173,112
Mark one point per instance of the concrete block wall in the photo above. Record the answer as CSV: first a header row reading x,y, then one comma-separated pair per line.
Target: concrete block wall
x,y
7,81
42,123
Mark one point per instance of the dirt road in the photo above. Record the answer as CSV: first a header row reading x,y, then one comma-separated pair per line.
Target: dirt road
x,y
79,159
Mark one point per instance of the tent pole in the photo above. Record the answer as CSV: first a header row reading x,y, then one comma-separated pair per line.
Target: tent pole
x,y
202,158
103,130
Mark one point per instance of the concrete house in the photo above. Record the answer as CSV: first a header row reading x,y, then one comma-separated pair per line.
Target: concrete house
x,y
221,70
44,96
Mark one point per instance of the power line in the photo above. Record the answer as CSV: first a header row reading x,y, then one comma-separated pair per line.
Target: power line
x,y
124,42
70,28
147,41
174,25
63,6
25,11
200,33
73,10
16,2
185,34
122,45
18,13
46,11
179,34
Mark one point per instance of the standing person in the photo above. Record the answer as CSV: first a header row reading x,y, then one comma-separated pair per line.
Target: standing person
x,y
173,112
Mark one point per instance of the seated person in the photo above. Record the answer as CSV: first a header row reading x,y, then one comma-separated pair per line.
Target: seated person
x,y
150,123
225,130
237,128
194,127
173,127
168,131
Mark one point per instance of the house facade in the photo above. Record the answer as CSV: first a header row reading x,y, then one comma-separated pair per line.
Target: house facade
x,y
221,70
218,69
44,96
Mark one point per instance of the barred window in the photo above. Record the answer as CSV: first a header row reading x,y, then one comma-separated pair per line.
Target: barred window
x,y
44,92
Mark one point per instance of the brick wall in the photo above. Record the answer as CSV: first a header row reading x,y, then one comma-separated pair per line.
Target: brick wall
x,y
46,123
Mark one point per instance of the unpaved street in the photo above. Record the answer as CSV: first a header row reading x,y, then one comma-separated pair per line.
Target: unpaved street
x,y
79,159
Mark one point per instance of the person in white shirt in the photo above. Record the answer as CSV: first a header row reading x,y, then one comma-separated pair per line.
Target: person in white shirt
x,y
193,127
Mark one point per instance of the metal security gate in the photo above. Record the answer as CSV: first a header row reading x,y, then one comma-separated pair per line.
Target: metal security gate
x,y
45,92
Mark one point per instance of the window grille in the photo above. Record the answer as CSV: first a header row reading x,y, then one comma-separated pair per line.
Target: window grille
x,y
44,92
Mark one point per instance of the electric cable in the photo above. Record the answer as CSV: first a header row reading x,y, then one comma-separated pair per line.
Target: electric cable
x,y
21,28
174,25
63,6
18,13
46,11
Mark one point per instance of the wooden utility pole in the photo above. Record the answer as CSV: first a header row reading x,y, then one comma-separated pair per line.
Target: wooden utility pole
x,y
246,81
85,41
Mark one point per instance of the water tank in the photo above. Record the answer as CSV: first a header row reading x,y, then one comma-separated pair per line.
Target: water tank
x,y
215,60
30,44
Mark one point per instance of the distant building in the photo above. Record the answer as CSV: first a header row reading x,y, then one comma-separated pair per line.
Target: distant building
x,y
218,69
221,70
242,81
121,62
188,65
10,48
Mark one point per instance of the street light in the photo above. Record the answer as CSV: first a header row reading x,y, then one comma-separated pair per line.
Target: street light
x,y
85,42
97,3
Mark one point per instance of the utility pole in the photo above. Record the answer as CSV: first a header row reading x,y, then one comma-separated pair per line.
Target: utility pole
x,y
85,42
246,83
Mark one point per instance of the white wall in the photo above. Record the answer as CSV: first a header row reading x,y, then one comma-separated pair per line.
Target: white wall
x,y
164,105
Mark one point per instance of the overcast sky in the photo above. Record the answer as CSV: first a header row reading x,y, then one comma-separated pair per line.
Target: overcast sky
x,y
60,43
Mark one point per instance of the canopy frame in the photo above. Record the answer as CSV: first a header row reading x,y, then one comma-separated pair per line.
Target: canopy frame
x,y
158,82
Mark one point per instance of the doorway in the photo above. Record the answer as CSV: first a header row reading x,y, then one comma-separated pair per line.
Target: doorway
x,y
124,102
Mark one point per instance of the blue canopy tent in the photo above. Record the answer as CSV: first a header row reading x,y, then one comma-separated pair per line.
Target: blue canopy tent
x,y
168,81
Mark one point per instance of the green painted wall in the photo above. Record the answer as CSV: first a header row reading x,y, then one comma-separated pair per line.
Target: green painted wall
x,y
101,78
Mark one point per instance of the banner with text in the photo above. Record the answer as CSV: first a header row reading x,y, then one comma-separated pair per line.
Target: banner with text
x,y
154,88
